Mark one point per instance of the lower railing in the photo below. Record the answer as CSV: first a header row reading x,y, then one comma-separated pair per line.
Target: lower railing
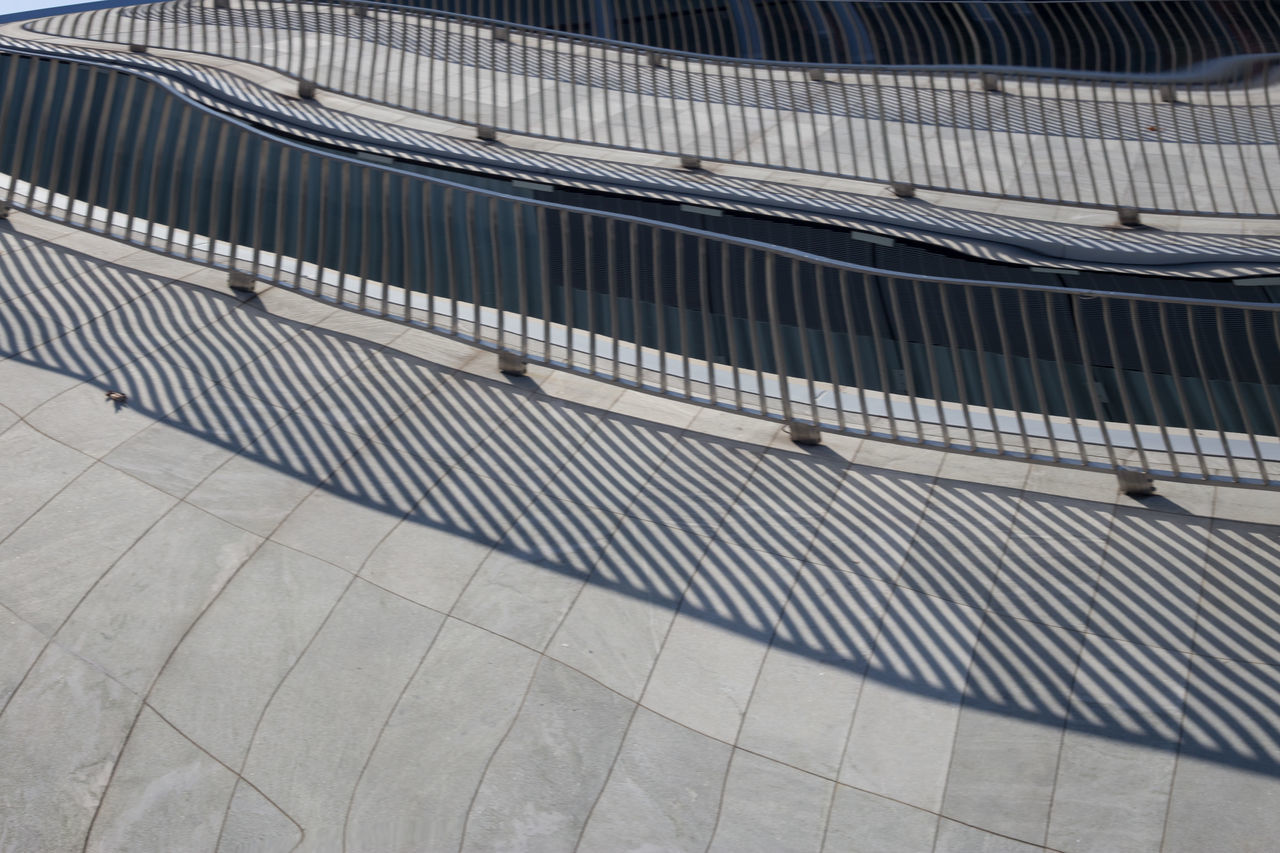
x,y
1176,387
1199,141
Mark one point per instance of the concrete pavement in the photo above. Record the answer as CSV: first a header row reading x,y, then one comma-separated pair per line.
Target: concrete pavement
x,y
325,582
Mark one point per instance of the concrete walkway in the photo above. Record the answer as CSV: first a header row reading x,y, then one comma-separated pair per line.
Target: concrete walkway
x,y
324,582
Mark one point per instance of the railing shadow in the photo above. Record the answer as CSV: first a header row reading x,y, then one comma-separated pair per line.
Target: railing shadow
x,y
1137,625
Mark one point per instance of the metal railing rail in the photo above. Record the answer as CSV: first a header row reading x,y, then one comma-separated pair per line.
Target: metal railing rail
x,y
1133,36
1178,387
1202,142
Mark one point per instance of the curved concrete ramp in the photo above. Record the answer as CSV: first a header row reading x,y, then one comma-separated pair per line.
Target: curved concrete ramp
x,y
325,583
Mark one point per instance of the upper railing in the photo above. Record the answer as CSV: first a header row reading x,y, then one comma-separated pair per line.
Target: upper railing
x,y
1131,36
1180,387
1202,141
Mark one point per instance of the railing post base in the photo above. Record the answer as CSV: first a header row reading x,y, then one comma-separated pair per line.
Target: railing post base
x,y
512,364
816,75
360,11
501,34
306,90
803,432
1129,216
1135,483
688,161
902,189
655,59
137,48
487,132
222,4
242,282
5,210
1168,94
990,82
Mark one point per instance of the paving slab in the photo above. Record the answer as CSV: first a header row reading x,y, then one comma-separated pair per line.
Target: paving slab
x,y
553,762
712,654
253,824
249,491
617,625
1149,586
34,468
1111,795
808,685
56,768
50,562
166,793
614,465
83,418
529,448
221,676
960,542
143,605
1049,570
531,578
768,805
1240,600
23,645
417,787
780,511
900,741
1002,774
871,522
662,792
868,823
313,780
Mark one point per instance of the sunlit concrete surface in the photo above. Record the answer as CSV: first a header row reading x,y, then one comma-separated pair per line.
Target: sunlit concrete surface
x,y
324,582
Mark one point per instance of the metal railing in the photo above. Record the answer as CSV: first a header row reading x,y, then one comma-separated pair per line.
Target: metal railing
x,y
1203,141
1133,36
1178,387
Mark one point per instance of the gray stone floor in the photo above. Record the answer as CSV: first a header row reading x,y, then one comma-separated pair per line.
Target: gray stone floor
x,y
327,583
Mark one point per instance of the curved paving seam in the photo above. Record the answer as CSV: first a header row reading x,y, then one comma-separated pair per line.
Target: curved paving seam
x,y
267,705
733,746
528,687
968,671
52,639
373,748
1075,673
795,579
240,780
292,667
773,759
52,636
639,701
355,788
145,704
872,651
1186,687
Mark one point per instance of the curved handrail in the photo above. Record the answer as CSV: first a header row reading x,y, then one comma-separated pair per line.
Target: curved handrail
x,y
1091,142
1179,386
836,31
1238,67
